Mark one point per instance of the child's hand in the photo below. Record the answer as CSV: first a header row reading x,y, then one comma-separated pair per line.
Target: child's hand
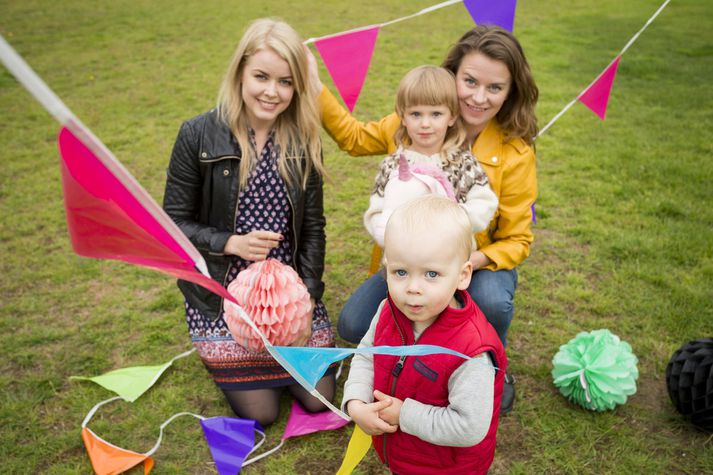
x,y
254,246
392,412
366,416
313,72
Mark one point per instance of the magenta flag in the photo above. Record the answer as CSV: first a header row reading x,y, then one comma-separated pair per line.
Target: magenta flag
x,y
596,96
302,422
110,216
347,58
492,12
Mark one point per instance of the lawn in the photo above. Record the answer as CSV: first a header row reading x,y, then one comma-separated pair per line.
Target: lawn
x,y
624,237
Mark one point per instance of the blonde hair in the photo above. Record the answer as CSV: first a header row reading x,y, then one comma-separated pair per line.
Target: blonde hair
x,y
296,130
431,214
430,86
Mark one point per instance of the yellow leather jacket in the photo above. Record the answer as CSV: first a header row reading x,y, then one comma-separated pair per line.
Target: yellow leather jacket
x,y
510,168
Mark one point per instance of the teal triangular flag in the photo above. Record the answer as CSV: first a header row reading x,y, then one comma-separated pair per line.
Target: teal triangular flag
x,y
311,363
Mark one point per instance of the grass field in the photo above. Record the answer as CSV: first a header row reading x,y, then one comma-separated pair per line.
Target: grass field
x,y
624,238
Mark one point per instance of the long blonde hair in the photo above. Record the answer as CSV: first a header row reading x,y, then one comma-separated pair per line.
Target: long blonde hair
x,y
430,86
296,130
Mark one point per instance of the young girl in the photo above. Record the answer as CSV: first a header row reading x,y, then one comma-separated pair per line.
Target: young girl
x,y
430,133
244,184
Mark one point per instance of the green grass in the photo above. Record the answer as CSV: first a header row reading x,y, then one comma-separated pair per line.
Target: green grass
x,y
624,238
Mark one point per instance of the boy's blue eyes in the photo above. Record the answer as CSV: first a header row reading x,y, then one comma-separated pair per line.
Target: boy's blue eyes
x,y
431,274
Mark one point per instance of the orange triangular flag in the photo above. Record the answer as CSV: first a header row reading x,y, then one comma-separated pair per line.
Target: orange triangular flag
x,y
108,459
596,96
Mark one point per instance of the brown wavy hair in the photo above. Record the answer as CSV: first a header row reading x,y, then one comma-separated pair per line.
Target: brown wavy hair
x,y
517,115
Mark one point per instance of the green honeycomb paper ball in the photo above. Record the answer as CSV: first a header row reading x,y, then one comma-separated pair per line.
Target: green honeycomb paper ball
x,y
595,370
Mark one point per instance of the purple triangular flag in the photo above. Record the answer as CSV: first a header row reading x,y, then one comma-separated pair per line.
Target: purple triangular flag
x,y
596,97
492,12
302,422
230,440
534,215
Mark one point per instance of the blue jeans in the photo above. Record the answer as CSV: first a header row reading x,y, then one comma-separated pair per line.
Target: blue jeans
x,y
493,291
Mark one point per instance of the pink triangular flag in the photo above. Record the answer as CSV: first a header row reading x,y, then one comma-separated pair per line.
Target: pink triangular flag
x,y
347,58
302,422
596,96
492,12
110,216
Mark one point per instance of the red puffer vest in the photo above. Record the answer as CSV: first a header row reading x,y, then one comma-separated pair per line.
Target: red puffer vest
x,y
425,379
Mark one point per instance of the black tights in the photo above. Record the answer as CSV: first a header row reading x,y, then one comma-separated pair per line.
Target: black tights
x,y
263,405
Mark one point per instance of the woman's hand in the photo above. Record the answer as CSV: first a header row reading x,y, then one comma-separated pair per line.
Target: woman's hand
x,y
254,246
367,416
314,80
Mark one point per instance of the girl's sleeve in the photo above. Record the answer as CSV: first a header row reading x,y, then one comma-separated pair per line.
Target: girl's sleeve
x,y
355,137
512,236
182,196
480,201
374,221
466,420
310,259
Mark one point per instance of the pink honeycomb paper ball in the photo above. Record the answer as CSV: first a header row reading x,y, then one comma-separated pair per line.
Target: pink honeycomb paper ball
x,y
275,298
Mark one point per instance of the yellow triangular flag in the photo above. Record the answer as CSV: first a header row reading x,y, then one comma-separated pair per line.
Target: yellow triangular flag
x,y
356,450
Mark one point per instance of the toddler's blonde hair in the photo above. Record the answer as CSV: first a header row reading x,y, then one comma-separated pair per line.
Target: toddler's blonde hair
x,y
431,214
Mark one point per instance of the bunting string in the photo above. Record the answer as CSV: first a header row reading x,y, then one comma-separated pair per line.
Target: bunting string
x,y
615,60
501,17
138,216
387,23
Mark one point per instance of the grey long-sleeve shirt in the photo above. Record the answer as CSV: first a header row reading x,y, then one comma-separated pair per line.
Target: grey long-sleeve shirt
x,y
463,423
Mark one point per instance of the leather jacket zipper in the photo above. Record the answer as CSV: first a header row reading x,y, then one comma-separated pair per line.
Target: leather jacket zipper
x,y
235,219
294,230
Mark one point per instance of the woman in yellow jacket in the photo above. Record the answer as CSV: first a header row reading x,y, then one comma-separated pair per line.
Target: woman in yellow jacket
x,y
497,96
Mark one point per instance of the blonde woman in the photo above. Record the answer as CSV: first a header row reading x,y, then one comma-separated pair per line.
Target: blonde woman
x,y
244,184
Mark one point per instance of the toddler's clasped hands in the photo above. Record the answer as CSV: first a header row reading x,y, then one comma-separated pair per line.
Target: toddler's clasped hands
x,y
379,417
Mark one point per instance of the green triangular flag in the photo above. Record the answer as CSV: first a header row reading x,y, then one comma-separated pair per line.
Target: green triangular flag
x,y
130,383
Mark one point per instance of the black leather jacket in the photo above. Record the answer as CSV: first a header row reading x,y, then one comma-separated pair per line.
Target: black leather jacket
x,y
202,198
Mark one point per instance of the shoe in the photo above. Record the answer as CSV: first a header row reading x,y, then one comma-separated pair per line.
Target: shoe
x,y
508,394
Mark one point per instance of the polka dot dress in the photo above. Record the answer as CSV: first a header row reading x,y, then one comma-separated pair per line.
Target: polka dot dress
x,y
263,204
